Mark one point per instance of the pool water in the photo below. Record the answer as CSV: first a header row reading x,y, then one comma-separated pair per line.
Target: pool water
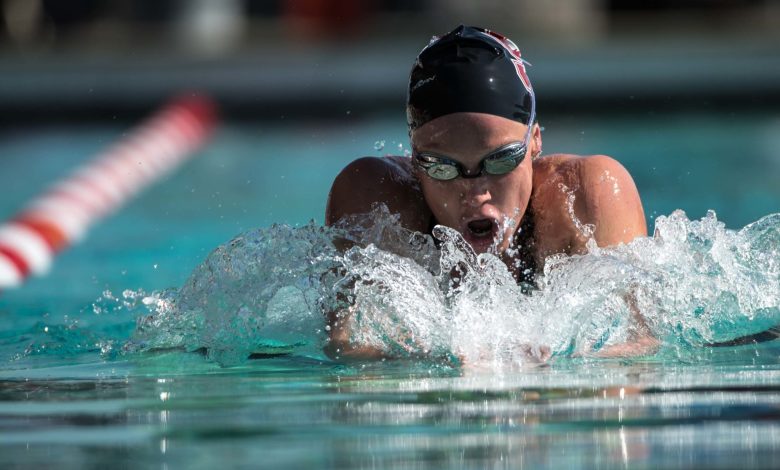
x,y
72,393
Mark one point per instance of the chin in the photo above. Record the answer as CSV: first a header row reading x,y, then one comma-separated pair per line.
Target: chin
x,y
488,241
486,245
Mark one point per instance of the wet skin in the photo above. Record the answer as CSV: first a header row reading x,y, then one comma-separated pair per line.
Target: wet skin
x,y
573,198
486,210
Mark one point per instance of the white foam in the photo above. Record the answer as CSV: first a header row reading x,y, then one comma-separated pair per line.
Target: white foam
x,y
694,282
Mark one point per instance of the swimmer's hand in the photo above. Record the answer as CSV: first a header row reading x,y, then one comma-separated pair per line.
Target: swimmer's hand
x,y
341,344
640,342
518,356
640,346
347,342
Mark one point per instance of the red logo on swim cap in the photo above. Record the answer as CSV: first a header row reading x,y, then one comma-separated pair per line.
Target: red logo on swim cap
x,y
517,59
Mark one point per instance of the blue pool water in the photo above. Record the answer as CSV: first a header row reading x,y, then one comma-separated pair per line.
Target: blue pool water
x,y
82,383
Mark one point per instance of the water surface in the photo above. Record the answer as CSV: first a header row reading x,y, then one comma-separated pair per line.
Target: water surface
x,y
83,384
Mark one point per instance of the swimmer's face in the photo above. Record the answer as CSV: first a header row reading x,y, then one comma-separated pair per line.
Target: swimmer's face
x,y
485,210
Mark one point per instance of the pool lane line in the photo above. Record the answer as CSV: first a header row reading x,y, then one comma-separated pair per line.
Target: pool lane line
x,y
62,215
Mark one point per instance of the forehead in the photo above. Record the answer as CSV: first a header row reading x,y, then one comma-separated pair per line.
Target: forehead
x,y
466,132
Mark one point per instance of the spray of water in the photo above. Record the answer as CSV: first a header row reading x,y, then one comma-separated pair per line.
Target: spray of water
x,y
690,284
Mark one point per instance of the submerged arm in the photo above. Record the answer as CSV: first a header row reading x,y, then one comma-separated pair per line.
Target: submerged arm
x,y
641,341
341,344
609,203
357,188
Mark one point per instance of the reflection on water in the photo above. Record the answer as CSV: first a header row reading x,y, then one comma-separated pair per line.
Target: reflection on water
x,y
158,392
83,387
265,413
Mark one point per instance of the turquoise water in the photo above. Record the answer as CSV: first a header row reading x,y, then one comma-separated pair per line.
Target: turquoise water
x,y
83,384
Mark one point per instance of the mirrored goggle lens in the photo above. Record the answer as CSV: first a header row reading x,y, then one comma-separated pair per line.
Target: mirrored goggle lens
x,y
442,171
501,167
505,161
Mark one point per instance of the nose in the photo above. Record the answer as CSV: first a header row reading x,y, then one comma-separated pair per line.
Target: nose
x,y
475,191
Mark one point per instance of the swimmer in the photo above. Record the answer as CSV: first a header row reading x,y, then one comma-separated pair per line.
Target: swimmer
x,y
477,166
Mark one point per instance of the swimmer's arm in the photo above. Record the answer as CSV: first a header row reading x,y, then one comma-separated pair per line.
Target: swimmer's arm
x,y
370,180
344,342
609,202
341,345
641,341
361,184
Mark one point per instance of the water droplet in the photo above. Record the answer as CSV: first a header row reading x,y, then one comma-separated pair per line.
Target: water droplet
x,y
379,145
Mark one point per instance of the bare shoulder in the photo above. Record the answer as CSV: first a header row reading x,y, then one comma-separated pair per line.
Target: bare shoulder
x,y
594,170
370,180
573,168
589,197
609,195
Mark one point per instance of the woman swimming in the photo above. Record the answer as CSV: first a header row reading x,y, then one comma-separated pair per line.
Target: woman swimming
x,y
477,167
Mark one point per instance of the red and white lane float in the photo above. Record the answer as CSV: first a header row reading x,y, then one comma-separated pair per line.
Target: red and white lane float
x,y
62,215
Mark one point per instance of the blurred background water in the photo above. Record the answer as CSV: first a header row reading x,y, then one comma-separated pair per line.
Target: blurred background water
x,y
684,93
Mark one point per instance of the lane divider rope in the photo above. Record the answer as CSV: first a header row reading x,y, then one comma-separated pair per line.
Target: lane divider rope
x,y
62,215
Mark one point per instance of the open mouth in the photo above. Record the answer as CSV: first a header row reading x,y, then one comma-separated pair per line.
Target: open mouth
x,y
481,228
481,234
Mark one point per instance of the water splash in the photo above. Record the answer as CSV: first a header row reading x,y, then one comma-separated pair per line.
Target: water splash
x,y
260,290
693,282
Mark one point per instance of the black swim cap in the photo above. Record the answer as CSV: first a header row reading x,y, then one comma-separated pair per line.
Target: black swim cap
x,y
469,70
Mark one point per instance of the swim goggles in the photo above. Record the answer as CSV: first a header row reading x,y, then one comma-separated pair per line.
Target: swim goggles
x,y
498,162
